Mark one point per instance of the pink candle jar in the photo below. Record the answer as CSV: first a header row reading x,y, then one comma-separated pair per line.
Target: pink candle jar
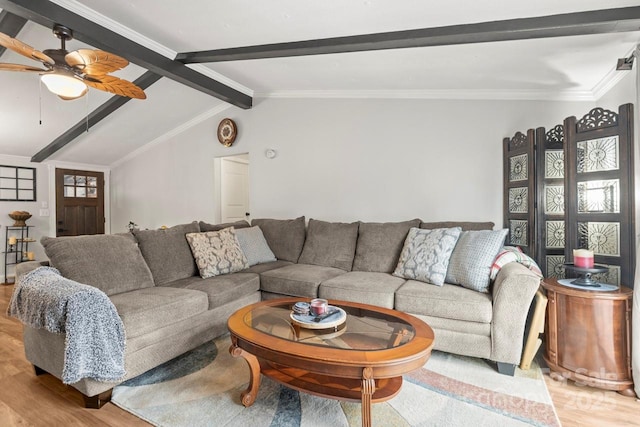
x,y
319,306
583,258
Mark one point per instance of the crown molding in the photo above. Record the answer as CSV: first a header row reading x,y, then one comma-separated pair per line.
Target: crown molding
x,y
16,158
145,41
173,132
612,78
475,94
607,83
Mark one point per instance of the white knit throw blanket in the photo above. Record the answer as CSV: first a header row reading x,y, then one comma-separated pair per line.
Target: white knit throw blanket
x,y
95,337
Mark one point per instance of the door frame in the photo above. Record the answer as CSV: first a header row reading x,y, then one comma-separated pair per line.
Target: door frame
x,y
53,165
217,187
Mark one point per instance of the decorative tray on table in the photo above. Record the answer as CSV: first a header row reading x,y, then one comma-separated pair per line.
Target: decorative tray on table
x,y
335,316
585,280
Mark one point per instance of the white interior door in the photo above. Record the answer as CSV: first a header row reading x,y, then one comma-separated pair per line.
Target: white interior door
x,y
234,188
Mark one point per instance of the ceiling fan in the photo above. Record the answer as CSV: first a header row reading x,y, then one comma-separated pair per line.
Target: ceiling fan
x,y
67,74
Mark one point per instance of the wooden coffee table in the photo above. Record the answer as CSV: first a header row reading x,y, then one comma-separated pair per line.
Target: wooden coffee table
x,y
363,361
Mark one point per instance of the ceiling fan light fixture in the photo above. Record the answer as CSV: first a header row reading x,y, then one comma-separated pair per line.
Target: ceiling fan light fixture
x,y
65,86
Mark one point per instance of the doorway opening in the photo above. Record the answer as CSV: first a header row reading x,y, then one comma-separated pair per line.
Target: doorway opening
x,y
232,188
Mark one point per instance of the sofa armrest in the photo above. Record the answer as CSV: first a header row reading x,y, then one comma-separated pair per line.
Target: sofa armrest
x,y
513,292
25,267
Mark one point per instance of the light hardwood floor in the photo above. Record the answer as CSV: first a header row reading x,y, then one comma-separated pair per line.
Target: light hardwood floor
x,y
27,400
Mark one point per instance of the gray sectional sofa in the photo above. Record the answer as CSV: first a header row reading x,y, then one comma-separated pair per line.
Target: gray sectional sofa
x,y
167,308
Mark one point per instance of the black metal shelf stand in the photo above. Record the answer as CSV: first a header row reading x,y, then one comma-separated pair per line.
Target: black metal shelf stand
x,y
15,253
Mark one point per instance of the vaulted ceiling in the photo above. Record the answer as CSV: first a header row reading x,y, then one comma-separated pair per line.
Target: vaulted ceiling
x,y
469,49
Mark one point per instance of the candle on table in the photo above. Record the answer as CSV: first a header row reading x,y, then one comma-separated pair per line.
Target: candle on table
x,y
583,258
318,306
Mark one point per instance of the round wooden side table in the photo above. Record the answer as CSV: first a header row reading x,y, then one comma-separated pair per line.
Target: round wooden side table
x,y
588,336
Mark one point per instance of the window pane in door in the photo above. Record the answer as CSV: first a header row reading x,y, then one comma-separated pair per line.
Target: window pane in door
x,y
69,191
69,180
81,192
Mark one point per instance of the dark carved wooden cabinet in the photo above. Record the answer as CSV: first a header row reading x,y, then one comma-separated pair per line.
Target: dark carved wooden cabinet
x,y
588,336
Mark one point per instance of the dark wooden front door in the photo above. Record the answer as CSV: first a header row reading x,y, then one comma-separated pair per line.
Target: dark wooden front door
x,y
79,202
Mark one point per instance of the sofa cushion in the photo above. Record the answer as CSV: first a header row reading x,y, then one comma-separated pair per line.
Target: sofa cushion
x,y
217,252
330,244
425,255
109,262
205,226
261,268
379,245
362,286
298,280
254,245
221,290
284,236
147,310
448,301
455,325
471,260
167,252
465,225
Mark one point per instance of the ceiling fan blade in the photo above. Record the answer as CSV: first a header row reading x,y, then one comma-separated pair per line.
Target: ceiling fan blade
x,y
20,67
115,85
24,49
99,62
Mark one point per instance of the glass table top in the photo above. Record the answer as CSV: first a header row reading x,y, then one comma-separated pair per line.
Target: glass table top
x,y
363,329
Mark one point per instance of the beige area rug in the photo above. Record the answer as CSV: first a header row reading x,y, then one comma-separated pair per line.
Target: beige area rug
x,y
202,388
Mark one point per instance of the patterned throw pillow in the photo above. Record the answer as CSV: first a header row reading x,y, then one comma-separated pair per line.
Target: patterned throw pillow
x,y
425,255
472,258
254,245
217,252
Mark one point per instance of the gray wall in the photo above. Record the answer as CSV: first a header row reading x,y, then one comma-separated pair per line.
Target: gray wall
x,y
339,160
623,93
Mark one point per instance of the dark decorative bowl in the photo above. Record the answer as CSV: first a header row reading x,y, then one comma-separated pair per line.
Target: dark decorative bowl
x,y
19,217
